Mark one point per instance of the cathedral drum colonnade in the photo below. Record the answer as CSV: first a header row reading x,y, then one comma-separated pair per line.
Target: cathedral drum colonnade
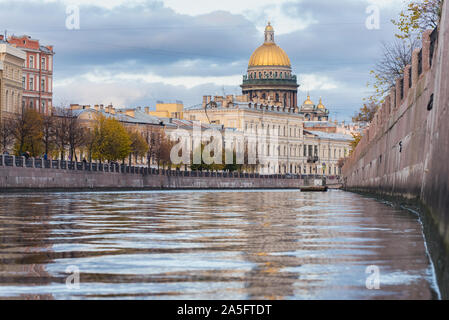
x,y
269,77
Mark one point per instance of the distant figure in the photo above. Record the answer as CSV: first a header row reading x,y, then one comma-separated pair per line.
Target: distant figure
x,y
26,154
84,161
5,152
45,157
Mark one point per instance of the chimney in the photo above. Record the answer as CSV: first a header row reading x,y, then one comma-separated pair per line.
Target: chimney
x,y
204,101
130,113
147,110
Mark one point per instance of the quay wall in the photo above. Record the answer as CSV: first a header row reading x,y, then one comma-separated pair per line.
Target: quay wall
x,y
405,151
19,178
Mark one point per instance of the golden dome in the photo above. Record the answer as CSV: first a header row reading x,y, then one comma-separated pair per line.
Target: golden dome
x,y
320,105
269,54
308,101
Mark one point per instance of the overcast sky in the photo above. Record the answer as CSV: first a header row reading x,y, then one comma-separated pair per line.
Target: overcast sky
x,y
134,52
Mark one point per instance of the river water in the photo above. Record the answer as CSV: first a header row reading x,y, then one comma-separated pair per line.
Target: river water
x,y
210,245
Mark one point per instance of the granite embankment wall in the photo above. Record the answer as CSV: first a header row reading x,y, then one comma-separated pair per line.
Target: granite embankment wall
x,y
23,178
405,151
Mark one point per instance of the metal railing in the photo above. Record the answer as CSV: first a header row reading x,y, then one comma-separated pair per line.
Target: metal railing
x,y
22,162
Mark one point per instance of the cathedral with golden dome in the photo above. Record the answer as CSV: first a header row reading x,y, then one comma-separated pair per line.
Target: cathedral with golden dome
x,y
306,141
269,78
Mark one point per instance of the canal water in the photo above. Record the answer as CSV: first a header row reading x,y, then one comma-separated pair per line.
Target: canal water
x,y
210,245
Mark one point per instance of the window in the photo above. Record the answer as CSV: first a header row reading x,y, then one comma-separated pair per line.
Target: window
x,y
43,85
31,62
31,84
23,82
43,64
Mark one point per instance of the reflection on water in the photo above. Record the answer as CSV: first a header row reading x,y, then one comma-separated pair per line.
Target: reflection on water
x,y
210,245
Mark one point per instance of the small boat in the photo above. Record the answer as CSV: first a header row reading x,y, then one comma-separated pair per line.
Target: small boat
x,y
314,189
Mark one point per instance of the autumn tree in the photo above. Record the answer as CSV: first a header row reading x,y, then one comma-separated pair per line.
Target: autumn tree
x,y
111,140
89,142
75,134
48,132
139,146
366,113
27,131
153,135
418,17
162,154
60,128
6,134
391,65
356,139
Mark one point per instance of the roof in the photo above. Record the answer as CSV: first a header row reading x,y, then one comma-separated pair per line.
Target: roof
x,y
319,124
139,116
331,136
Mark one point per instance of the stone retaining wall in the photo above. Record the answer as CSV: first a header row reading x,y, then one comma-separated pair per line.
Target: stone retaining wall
x,y
405,151
13,178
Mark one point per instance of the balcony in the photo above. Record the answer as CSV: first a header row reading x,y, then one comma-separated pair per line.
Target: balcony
x,y
312,159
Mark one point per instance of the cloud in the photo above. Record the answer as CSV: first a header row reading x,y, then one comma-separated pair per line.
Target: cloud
x,y
139,51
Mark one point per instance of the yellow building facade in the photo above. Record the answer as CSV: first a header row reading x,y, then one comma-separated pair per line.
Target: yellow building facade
x,y
11,89
169,110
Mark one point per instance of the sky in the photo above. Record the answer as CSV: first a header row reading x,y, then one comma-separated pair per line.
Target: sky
x,y
136,52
